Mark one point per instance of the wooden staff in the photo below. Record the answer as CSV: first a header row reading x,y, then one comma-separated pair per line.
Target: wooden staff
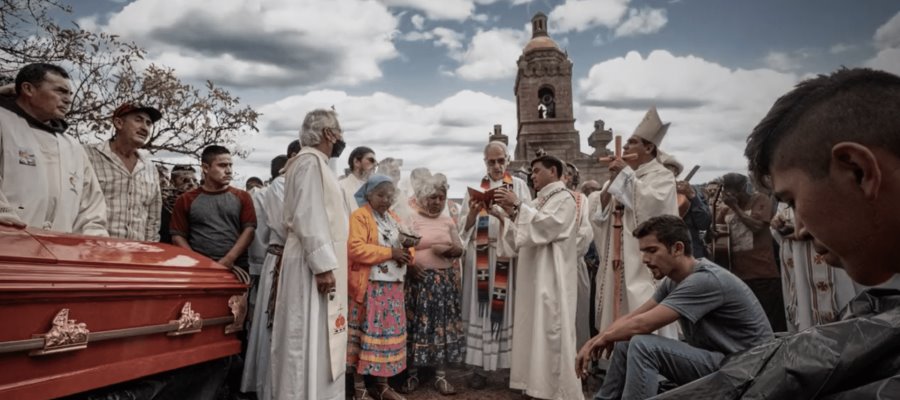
x,y
617,262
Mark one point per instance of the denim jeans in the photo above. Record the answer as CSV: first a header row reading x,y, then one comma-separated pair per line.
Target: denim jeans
x,y
635,364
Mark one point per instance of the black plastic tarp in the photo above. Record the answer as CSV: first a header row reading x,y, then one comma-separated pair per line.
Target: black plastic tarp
x,y
857,357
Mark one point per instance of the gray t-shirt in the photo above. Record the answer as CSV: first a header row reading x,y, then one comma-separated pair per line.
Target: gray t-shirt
x,y
718,311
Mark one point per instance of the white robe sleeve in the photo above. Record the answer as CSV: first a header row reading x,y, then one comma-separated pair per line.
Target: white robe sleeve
x,y
585,231
649,195
273,205
304,210
599,213
465,235
91,218
537,227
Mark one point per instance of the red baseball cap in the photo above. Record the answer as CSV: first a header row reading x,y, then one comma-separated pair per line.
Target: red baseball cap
x,y
129,108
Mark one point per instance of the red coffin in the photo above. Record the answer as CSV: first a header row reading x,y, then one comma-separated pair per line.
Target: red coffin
x,y
81,312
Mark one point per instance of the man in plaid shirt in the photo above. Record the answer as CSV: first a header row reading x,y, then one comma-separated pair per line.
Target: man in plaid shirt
x,y
128,178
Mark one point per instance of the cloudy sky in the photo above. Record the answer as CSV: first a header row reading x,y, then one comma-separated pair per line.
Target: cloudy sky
x,y
425,80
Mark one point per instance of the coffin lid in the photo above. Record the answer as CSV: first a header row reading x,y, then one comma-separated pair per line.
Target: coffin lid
x,y
65,261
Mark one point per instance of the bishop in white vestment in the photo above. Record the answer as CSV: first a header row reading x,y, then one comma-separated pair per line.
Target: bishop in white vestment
x,y
645,188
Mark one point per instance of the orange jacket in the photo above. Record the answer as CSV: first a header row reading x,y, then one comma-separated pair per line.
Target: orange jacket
x,y
363,250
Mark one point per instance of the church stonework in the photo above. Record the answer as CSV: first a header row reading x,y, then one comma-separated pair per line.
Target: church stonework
x,y
543,92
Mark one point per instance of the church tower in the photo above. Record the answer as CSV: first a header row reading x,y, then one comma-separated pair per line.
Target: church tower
x,y
544,98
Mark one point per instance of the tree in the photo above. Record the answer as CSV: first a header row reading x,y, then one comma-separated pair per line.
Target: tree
x,y
108,71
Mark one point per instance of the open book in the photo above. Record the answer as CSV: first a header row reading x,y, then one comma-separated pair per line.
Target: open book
x,y
485,196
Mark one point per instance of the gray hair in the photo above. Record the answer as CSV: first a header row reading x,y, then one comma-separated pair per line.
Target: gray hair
x,y
497,143
315,122
431,185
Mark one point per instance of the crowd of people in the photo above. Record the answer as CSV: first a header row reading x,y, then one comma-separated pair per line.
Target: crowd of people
x,y
365,286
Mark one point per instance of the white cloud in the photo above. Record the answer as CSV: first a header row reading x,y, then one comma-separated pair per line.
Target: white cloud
x,y
888,35
424,136
887,40
492,54
482,18
457,10
263,43
712,108
418,21
642,22
840,48
887,60
448,38
581,15
783,61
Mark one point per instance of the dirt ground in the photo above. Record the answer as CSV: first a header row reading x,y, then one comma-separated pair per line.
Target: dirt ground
x,y
497,387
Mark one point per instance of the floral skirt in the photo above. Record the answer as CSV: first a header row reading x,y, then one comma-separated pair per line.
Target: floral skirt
x,y
377,331
436,333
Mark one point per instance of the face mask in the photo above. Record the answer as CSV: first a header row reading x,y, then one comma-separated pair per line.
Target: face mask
x,y
338,148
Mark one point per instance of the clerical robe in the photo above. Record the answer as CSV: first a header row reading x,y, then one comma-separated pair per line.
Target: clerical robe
x,y
309,335
545,235
584,302
487,346
350,184
646,192
256,362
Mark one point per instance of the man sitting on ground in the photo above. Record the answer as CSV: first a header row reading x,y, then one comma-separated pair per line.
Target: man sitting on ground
x,y
718,313
830,149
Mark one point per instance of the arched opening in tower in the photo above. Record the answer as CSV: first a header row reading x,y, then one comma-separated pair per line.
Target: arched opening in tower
x,y
547,103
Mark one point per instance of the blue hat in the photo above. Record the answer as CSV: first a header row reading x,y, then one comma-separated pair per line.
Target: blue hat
x,y
368,187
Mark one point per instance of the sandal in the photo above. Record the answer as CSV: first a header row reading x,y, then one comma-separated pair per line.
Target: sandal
x,y
383,391
360,393
410,384
442,386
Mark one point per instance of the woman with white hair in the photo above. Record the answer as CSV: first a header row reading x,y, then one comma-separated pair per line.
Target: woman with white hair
x,y
435,329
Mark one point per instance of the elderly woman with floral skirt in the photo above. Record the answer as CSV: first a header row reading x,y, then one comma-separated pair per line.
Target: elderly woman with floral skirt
x,y
377,324
435,330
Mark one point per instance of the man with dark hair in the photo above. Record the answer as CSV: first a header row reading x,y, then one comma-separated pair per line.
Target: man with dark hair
x,y
216,219
717,312
638,188
362,163
253,184
46,178
747,214
544,234
830,150
127,177
293,148
182,179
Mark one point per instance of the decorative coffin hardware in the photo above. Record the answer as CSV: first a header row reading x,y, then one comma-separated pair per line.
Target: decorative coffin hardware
x,y
238,305
64,335
189,322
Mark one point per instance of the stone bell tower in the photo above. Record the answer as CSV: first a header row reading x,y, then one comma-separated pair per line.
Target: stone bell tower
x,y
544,98
544,106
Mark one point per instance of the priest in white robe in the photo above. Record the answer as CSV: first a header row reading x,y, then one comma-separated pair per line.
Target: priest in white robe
x,y
585,236
645,189
309,334
489,328
256,362
544,233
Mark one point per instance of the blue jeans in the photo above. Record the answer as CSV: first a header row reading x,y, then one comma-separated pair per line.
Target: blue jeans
x,y
635,364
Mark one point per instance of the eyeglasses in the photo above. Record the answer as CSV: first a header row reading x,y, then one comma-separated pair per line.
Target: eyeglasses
x,y
499,161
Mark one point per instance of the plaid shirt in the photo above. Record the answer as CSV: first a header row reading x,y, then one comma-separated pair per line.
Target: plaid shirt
x,y
133,199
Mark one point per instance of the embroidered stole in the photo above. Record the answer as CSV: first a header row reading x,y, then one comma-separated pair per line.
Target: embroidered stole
x,y
483,267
